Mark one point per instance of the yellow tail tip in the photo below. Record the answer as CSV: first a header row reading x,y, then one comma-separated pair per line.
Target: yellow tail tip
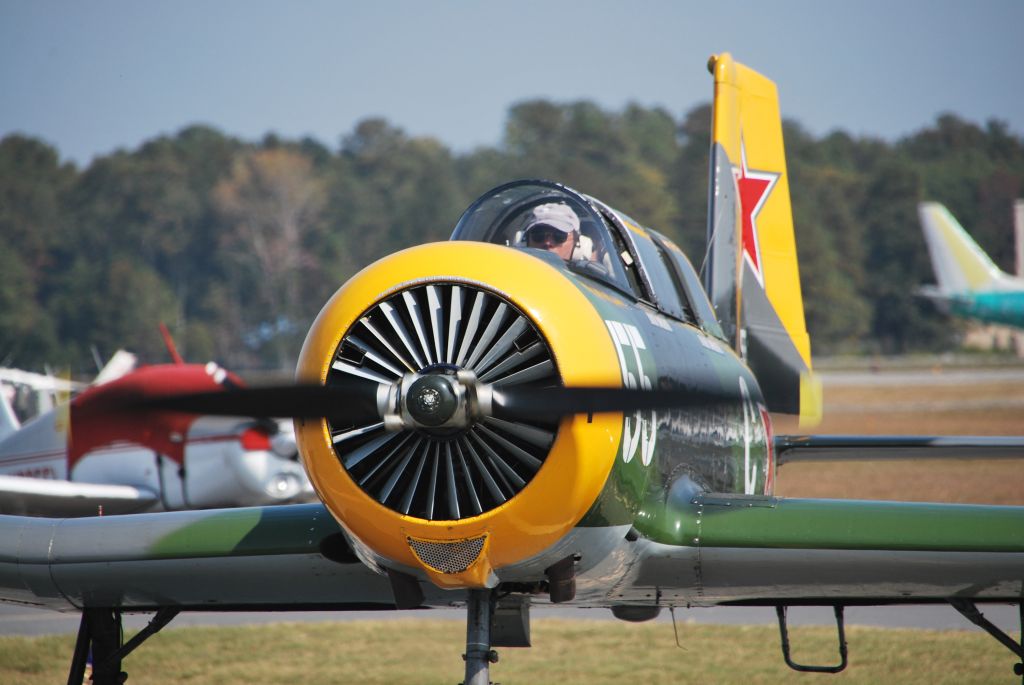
x,y
811,400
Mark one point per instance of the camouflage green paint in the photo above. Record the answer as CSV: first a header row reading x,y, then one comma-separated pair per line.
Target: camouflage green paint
x,y
258,530
707,446
628,481
781,523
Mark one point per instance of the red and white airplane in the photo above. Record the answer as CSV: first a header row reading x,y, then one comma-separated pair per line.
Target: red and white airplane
x,y
74,461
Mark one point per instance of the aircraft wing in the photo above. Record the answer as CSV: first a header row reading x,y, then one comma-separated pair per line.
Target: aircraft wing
x,y
19,495
258,558
744,549
793,448
703,550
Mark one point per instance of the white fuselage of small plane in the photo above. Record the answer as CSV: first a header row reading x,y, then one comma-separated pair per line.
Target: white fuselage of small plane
x,y
224,462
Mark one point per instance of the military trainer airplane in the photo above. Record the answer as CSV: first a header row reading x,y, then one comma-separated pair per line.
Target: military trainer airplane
x,y
969,284
77,459
551,407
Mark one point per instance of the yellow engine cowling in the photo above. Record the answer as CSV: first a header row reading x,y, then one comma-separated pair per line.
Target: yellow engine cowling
x,y
466,552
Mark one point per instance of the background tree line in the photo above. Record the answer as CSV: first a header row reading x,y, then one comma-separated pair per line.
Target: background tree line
x,y
235,244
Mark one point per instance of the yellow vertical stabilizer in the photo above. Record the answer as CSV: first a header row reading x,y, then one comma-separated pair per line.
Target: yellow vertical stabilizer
x,y
753,276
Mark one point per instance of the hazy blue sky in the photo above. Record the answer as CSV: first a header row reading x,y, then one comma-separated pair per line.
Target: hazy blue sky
x,y
89,77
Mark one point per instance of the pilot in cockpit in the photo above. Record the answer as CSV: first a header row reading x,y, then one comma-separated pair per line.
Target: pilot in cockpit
x,y
555,227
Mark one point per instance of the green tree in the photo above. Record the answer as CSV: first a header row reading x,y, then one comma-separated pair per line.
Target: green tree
x,y
236,244
153,206
390,191
898,262
688,181
625,160
33,224
977,173
27,335
273,201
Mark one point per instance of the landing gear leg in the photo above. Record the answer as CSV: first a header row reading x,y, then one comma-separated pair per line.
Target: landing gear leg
x,y
100,631
971,613
81,655
479,655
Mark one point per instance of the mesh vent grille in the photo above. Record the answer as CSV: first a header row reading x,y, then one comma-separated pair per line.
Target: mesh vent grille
x,y
448,557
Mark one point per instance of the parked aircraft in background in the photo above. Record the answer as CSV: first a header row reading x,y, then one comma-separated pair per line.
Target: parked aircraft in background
x,y
518,416
74,461
29,394
969,283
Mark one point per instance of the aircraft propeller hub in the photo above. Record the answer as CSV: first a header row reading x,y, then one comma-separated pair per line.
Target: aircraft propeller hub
x,y
432,400
436,401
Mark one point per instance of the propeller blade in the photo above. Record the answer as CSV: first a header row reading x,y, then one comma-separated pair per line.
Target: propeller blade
x,y
545,403
354,401
350,402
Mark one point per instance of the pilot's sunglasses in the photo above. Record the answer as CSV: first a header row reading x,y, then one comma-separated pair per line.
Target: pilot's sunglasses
x,y
541,234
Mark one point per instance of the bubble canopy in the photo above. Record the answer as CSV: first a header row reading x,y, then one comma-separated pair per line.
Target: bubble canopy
x,y
501,215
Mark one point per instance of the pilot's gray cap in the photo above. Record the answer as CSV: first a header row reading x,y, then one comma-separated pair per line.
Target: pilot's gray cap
x,y
556,215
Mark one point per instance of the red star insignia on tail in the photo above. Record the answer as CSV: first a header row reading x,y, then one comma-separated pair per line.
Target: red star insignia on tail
x,y
754,189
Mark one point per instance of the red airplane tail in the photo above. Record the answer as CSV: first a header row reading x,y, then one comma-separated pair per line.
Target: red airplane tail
x,y
169,342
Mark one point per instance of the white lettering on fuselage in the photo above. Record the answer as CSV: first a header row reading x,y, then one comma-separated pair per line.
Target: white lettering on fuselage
x,y
639,429
750,414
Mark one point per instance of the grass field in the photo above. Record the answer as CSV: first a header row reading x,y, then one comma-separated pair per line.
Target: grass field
x,y
994,407
592,652
587,651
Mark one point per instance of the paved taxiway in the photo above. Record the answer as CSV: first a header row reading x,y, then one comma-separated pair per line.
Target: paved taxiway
x,y
21,620
917,377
